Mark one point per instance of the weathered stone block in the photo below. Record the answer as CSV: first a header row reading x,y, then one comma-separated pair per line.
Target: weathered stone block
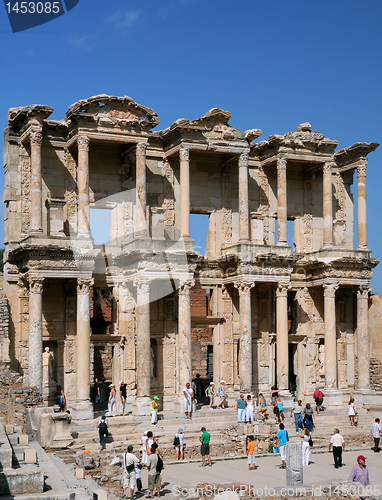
x,y
100,495
79,473
23,440
30,456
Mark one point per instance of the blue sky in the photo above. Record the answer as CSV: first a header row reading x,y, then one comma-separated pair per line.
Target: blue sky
x,y
273,64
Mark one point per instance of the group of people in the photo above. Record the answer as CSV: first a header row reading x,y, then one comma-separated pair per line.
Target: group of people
x,y
246,408
190,394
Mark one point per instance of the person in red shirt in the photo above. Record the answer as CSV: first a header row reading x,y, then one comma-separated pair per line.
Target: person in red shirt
x,y
318,397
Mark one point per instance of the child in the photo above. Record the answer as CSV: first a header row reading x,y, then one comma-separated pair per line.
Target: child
x,y
138,469
251,453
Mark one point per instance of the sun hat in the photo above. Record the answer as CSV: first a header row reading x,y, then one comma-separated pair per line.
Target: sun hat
x,y
180,429
111,385
156,397
212,383
222,382
360,457
120,382
145,432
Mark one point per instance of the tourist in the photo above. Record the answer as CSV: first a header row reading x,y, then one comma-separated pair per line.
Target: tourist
x,y
297,411
178,443
222,395
154,411
351,411
60,398
338,443
138,477
278,409
262,411
250,410
210,394
154,479
308,415
123,396
306,447
94,395
274,394
318,397
375,433
360,473
112,400
103,431
129,474
251,453
240,407
102,390
149,442
188,395
205,447
198,386
144,450
282,439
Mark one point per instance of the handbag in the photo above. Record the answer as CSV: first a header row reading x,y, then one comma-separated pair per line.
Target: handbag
x,y
310,442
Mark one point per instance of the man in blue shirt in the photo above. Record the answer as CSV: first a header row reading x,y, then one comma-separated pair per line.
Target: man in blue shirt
x,y
282,439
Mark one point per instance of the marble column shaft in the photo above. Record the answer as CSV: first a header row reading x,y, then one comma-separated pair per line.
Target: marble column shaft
x,y
83,339
362,234
184,179
184,334
35,333
327,211
141,194
83,186
143,357
245,348
330,335
281,201
243,198
282,341
363,352
36,184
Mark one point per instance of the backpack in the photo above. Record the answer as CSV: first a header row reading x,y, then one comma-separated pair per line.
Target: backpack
x,y
159,466
176,441
102,427
129,468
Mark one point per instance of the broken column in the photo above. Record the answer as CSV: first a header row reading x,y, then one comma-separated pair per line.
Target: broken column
x,y
294,475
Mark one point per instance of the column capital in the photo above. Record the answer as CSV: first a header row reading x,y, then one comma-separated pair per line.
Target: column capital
x,y
84,285
243,159
185,287
35,138
142,285
330,290
36,284
141,148
328,166
244,287
83,143
362,168
184,154
363,292
281,163
282,289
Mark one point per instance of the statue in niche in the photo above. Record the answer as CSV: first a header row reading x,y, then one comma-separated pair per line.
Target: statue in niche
x,y
321,358
152,362
47,363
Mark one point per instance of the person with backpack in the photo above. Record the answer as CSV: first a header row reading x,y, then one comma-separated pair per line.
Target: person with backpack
x,y
178,443
222,395
155,467
308,415
278,409
282,439
103,431
318,397
129,474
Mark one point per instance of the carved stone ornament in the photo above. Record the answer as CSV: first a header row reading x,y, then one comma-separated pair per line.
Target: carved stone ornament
x,y
83,143
141,148
282,289
281,163
243,159
84,285
328,167
143,286
330,290
363,292
35,138
244,287
36,284
361,169
184,288
184,154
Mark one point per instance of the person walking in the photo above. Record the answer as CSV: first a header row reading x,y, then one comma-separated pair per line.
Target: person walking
x,y
144,450
305,447
210,394
123,396
103,431
297,412
240,407
308,415
251,453
282,439
129,474
274,394
278,409
154,411
375,433
318,397
205,447
351,411
338,443
154,468
111,402
149,442
60,398
222,395
250,409
188,395
360,472
178,443
262,411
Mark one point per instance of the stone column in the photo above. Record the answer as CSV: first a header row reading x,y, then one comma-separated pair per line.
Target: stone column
x,y
36,187
330,335
83,405
281,202
184,178
363,338
327,211
35,332
362,237
184,334
141,196
294,469
143,358
243,197
245,348
282,353
83,186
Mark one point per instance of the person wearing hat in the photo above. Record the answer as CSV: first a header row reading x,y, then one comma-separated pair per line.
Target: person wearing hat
x,y
129,476
210,394
222,395
144,448
178,443
205,447
154,411
338,443
188,395
112,400
122,395
360,473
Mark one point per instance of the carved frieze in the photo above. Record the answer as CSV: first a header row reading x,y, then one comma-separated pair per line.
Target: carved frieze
x,y
84,285
25,171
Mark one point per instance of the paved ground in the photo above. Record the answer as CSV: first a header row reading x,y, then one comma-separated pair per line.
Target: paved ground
x,y
268,474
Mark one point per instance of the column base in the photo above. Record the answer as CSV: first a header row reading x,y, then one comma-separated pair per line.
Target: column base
x,y
368,398
83,410
172,403
141,406
333,398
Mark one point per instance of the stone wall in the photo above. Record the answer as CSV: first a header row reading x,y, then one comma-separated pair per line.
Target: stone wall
x,y
375,341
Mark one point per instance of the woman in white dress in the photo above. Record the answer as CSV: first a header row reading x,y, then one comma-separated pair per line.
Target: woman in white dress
x,y
305,447
249,410
111,403
351,411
